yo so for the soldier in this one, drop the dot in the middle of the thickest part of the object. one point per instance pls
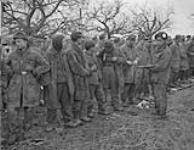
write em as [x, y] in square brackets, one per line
[121, 60]
[47, 43]
[129, 69]
[110, 58]
[24, 68]
[80, 74]
[6, 49]
[142, 80]
[160, 73]
[175, 62]
[95, 39]
[95, 79]
[59, 90]
[101, 41]
[184, 64]
[190, 52]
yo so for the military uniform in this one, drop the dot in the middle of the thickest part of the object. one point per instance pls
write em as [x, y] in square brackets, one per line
[121, 60]
[190, 52]
[95, 83]
[58, 92]
[142, 80]
[184, 64]
[80, 73]
[95, 79]
[110, 80]
[175, 63]
[160, 75]
[24, 69]
[129, 71]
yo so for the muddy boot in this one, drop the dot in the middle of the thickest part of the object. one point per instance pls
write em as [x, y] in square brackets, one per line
[84, 111]
[130, 102]
[27, 127]
[51, 126]
[86, 119]
[117, 108]
[91, 114]
[91, 111]
[69, 124]
[77, 122]
[155, 113]
[11, 140]
[102, 110]
[125, 104]
[163, 117]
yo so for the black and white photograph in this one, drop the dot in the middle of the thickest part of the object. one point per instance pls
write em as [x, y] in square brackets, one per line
[97, 74]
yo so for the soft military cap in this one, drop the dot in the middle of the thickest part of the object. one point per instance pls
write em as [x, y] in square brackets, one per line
[20, 35]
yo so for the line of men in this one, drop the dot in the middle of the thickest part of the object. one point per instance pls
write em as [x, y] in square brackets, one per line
[76, 72]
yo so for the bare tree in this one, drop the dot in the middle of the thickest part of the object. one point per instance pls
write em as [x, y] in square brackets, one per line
[74, 18]
[149, 21]
[34, 16]
[107, 17]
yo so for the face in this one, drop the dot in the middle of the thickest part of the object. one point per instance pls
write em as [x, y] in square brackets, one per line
[80, 42]
[64, 43]
[131, 42]
[160, 42]
[6, 50]
[21, 44]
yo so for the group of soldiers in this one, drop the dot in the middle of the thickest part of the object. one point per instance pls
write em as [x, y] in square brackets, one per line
[74, 74]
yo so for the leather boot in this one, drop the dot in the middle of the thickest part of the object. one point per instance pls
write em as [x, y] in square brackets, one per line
[102, 110]
[86, 119]
[77, 122]
[90, 111]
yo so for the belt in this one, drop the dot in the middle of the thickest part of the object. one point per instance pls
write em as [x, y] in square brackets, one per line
[23, 72]
[110, 65]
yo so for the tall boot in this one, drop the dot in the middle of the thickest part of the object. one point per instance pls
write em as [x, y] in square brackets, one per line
[102, 110]
[102, 104]
[91, 110]
[77, 122]
[116, 103]
[84, 112]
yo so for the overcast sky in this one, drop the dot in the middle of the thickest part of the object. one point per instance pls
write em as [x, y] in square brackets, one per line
[183, 24]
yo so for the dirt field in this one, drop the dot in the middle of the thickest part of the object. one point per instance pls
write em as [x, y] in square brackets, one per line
[124, 131]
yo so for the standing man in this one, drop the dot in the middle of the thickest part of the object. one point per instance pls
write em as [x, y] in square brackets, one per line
[58, 92]
[101, 41]
[95, 79]
[184, 65]
[80, 74]
[129, 50]
[121, 60]
[175, 61]
[190, 52]
[160, 73]
[24, 68]
[142, 82]
[109, 59]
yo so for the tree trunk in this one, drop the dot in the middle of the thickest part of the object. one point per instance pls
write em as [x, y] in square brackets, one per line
[1, 17]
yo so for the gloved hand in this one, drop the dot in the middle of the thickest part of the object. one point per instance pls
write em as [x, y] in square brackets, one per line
[135, 62]
[129, 62]
[114, 59]
[94, 68]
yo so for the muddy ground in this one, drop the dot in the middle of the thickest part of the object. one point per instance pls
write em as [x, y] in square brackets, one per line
[124, 131]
